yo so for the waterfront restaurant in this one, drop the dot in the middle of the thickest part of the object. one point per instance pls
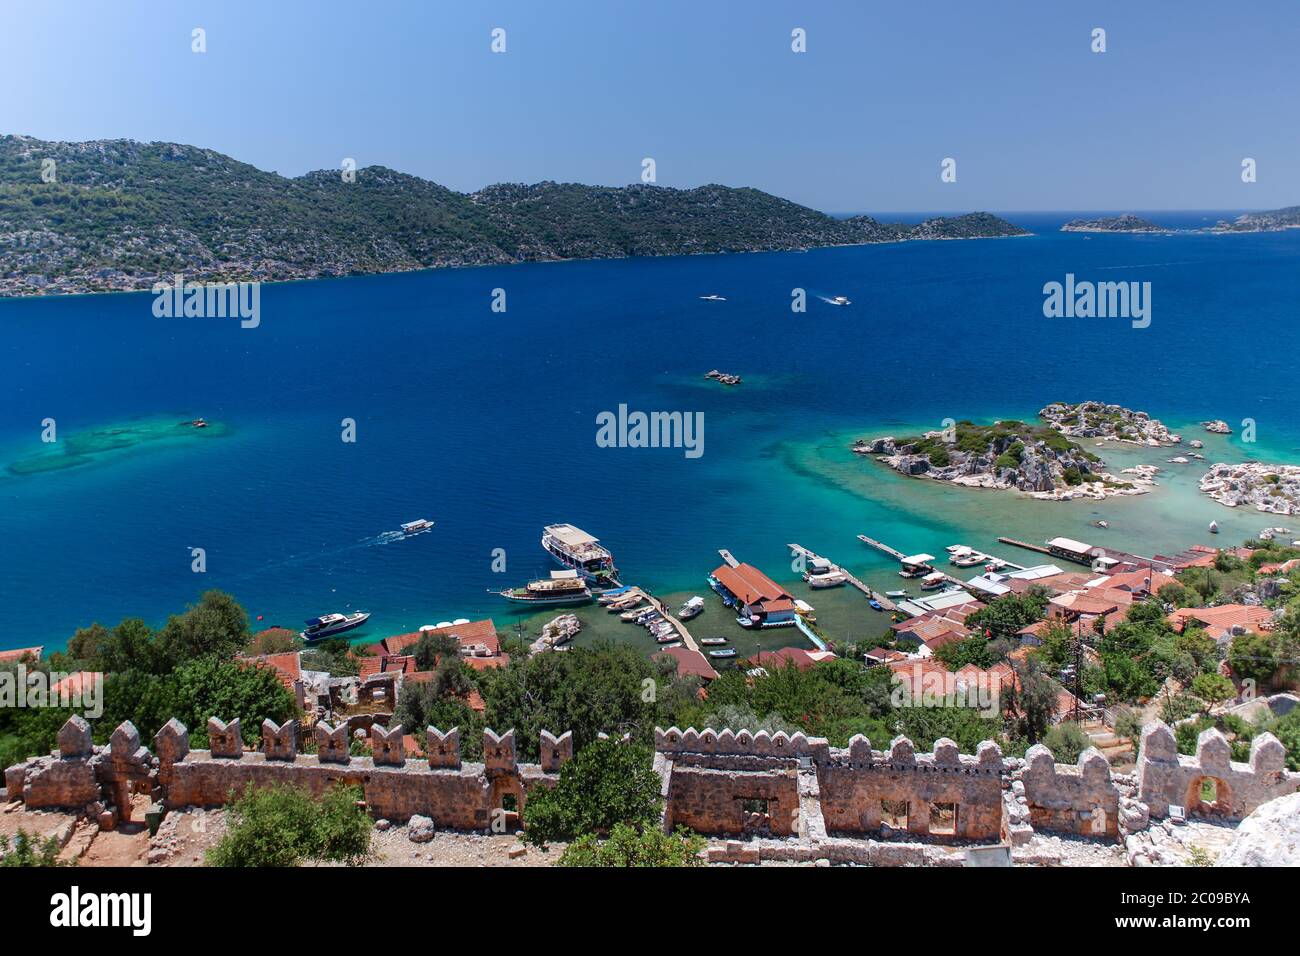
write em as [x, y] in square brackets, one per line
[758, 598]
[1071, 550]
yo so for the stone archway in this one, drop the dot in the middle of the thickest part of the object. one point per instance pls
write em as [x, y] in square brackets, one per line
[1209, 796]
[507, 802]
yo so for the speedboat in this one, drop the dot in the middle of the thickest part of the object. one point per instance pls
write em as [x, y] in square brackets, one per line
[327, 625]
[841, 300]
[725, 652]
[896, 594]
[713, 298]
[1214, 527]
[416, 526]
[692, 608]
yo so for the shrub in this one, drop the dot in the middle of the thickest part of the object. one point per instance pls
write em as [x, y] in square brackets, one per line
[628, 846]
[606, 784]
[1066, 741]
[30, 851]
[285, 826]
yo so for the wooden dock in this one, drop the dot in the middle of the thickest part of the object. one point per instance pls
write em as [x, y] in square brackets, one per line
[1024, 544]
[662, 607]
[727, 558]
[881, 546]
[884, 602]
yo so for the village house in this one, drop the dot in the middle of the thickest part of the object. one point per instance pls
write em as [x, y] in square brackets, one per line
[758, 598]
[22, 654]
[1225, 622]
[689, 663]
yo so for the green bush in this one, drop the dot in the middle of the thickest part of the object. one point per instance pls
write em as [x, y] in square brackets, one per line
[606, 784]
[628, 846]
[1066, 741]
[286, 826]
[30, 851]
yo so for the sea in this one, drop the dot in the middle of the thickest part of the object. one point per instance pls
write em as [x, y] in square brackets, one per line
[473, 395]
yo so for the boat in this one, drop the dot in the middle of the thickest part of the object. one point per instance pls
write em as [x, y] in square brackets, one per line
[954, 548]
[713, 298]
[198, 423]
[725, 652]
[727, 599]
[828, 579]
[1214, 527]
[632, 615]
[935, 579]
[1101, 524]
[896, 594]
[841, 300]
[327, 625]
[967, 560]
[613, 595]
[416, 526]
[875, 605]
[575, 549]
[712, 641]
[562, 587]
[692, 608]
[669, 638]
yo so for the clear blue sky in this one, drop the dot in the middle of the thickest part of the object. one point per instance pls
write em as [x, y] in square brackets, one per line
[709, 88]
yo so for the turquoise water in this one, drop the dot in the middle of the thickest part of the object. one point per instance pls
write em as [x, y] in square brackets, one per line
[485, 422]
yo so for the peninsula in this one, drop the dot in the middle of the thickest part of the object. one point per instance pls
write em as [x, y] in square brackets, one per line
[120, 214]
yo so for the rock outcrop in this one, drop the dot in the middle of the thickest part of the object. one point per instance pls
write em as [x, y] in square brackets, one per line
[1268, 837]
[1108, 423]
[1273, 489]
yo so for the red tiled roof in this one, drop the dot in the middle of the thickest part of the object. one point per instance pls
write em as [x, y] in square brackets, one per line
[287, 666]
[689, 662]
[75, 684]
[17, 654]
[475, 632]
[1222, 618]
[749, 584]
[801, 658]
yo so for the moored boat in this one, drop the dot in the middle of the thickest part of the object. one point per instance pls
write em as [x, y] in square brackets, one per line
[713, 641]
[328, 625]
[562, 587]
[828, 579]
[725, 652]
[579, 551]
[692, 608]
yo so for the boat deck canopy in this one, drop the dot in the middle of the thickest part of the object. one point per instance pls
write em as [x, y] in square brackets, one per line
[918, 559]
[570, 536]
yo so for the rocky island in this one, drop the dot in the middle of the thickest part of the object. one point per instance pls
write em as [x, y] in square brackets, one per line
[726, 378]
[1036, 459]
[1125, 223]
[1108, 423]
[1274, 489]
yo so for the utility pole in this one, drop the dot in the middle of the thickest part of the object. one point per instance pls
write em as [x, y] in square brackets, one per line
[1078, 668]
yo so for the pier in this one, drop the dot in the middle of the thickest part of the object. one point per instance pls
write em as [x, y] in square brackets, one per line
[1026, 545]
[727, 558]
[884, 602]
[662, 608]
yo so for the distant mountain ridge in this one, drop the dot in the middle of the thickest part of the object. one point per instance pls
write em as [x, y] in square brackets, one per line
[121, 214]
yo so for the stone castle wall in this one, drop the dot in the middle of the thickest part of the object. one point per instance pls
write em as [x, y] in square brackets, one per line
[716, 783]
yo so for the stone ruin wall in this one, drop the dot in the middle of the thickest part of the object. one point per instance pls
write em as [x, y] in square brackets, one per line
[812, 788]
[717, 783]
[453, 794]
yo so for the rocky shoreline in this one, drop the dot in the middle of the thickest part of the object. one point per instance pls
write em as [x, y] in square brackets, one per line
[1273, 489]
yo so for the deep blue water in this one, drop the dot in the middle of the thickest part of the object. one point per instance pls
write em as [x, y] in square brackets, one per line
[485, 422]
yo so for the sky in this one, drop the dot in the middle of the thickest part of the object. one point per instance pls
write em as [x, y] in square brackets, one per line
[710, 89]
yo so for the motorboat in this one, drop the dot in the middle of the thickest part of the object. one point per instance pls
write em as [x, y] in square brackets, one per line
[725, 652]
[875, 605]
[935, 579]
[714, 298]
[562, 587]
[713, 641]
[575, 549]
[828, 579]
[328, 625]
[692, 608]
[668, 638]
[841, 300]
[896, 594]
[416, 526]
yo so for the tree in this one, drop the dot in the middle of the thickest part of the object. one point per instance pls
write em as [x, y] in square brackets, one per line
[217, 625]
[285, 826]
[1214, 688]
[628, 846]
[1066, 741]
[1034, 699]
[433, 646]
[607, 783]
[1254, 657]
[1006, 615]
[1129, 726]
[976, 650]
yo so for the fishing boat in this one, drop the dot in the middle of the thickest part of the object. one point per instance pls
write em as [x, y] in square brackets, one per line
[713, 641]
[579, 551]
[935, 579]
[562, 587]
[673, 644]
[875, 605]
[668, 638]
[327, 625]
[967, 560]
[896, 594]
[692, 608]
[416, 526]
[725, 652]
[632, 615]
[828, 579]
